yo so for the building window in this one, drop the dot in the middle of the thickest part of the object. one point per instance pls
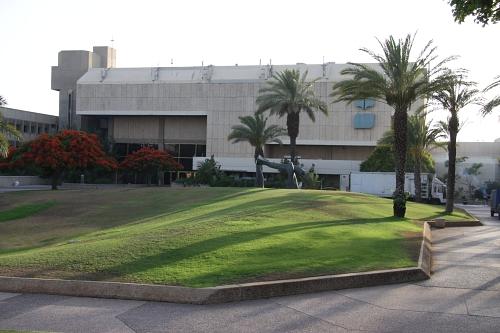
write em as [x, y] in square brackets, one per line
[201, 151]
[33, 128]
[25, 128]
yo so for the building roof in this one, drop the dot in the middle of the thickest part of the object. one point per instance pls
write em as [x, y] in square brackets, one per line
[27, 115]
[327, 71]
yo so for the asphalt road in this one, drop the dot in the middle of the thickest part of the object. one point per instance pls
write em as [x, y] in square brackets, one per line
[462, 296]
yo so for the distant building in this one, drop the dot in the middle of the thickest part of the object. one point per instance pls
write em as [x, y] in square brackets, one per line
[189, 111]
[487, 153]
[30, 124]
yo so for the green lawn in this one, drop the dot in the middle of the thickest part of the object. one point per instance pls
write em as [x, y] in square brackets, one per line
[206, 236]
[23, 211]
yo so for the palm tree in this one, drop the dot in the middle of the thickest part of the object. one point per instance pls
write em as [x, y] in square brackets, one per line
[488, 107]
[398, 82]
[6, 131]
[254, 131]
[288, 94]
[457, 94]
[422, 138]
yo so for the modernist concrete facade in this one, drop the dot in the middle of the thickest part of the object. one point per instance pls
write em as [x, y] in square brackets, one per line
[193, 108]
[30, 124]
[71, 65]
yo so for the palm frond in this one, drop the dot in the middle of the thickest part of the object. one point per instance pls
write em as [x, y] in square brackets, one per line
[254, 130]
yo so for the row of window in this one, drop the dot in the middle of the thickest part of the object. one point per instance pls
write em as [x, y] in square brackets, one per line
[29, 127]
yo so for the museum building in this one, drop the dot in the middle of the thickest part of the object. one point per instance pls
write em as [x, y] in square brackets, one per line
[189, 111]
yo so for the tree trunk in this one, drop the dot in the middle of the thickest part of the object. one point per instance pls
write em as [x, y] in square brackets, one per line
[259, 175]
[292, 124]
[400, 147]
[55, 178]
[418, 179]
[452, 161]
[55, 182]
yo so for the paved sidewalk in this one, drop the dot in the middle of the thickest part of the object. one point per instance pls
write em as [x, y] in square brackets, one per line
[462, 296]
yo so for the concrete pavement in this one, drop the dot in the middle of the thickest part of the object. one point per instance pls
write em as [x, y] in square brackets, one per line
[462, 296]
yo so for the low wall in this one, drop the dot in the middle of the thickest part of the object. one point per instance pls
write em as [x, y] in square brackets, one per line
[7, 181]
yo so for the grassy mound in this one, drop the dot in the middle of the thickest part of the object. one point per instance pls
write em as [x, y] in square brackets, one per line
[207, 236]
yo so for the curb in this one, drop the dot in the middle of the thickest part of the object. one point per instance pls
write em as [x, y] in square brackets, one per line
[226, 293]
[464, 223]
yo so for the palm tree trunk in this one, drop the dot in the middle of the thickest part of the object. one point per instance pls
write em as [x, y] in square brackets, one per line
[452, 161]
[418, 179]
[259, 175]
[292, 124]
[400, 147]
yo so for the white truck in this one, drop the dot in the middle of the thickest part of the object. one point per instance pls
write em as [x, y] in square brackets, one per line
[383, 184]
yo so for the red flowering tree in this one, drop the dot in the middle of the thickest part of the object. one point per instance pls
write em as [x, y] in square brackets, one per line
[54, 155]
[150, 161]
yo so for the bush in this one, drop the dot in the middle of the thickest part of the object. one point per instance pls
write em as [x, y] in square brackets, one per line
[208, 172]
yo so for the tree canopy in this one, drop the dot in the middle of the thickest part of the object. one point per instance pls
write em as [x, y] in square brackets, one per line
[400, 80]
[6, 131]
[483, 11]
[288, 94]
[148, 160]
[53, 155]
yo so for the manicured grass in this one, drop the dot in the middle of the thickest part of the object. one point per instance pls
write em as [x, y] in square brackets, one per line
[22, 211]
[209, 236]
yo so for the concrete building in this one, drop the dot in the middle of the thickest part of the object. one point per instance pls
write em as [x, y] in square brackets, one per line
[486, 153]
[71, 65]
[30, 124]
[190, 110]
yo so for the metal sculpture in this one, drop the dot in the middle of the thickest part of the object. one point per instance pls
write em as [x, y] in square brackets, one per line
[290, 169]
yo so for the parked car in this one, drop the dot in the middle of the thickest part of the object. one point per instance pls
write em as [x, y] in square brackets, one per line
[495, 202]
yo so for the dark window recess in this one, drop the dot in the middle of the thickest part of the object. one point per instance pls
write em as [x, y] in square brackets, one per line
[201, 150]
[173, 149]
[133, 147]
[187, 150]
[39, 130]
[70, 106]
[103, 123]
[33, 129]
[46, 130]
[120, 149]
[187, 163]
[25, 128]
[18, 127]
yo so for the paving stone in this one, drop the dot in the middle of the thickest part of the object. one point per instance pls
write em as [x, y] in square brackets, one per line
[251, 316]
[412, 297]
[4, 296]
[484, 303]
[71, 314]
[362, 316]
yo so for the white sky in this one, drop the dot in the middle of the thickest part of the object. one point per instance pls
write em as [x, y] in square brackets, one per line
[151, 33]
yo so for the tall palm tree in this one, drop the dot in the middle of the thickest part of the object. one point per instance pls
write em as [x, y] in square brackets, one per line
[493, 103]
[6, 131]
[253, 130]
[422, 138]
[457, 94]
[399, 82]
[288, 94]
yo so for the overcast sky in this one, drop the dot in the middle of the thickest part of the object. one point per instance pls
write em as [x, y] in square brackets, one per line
[153, 33]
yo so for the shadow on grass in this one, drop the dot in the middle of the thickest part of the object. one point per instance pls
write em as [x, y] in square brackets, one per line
[173, 256]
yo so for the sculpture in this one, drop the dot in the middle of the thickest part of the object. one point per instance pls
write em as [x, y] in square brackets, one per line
[292, 170]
